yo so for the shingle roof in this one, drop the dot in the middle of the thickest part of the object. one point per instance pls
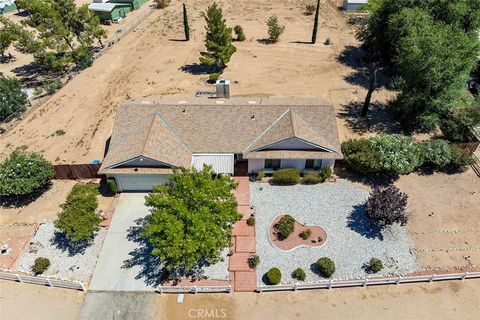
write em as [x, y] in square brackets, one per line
[171, 129]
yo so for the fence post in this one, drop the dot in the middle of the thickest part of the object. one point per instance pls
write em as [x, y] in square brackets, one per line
[259, 289]
[365, 282]
[19, 279]
[195, 289]
[398, 280]
[464, 276]
[330, 284]
[82, 286]
[49, 283]
[294, 287]
[432, 278]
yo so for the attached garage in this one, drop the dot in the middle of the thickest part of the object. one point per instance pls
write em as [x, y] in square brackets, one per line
[138, 182]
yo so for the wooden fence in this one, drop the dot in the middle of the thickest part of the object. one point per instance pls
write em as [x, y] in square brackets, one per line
[194, 289]
[328, 284]
[76, 171]
[470, 147]
[44, 281]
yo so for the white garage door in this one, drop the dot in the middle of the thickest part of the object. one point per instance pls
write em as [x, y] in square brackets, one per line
[139, 182]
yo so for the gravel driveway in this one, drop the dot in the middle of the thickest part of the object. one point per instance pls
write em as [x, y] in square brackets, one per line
[352, 238]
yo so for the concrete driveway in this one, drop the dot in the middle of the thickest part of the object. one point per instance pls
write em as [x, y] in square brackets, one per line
[115, 270]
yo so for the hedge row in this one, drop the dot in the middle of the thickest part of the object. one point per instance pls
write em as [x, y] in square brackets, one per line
[401, 154]
[291, 176]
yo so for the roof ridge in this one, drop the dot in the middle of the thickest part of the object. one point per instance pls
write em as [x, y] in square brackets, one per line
[266, 130]
[148, 134]
[173, 131]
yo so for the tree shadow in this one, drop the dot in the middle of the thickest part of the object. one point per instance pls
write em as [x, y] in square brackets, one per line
[301, 42]
[178, 40]
[372, 180]
[63, 243]
[32, 74]
[359, 222]
[199, 69]
[379, 118]
[22, 201]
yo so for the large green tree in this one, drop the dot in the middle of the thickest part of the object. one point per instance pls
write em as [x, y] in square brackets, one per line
[66, 32]
[218, 40]
[15, 34]
[192, 217]
[12, 97]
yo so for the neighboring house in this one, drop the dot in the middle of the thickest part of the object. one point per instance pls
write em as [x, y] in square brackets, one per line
[234, 136]
[7, 6]
[110, 11]
[353, 5]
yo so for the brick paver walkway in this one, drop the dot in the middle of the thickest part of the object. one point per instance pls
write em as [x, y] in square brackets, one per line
[244, 245]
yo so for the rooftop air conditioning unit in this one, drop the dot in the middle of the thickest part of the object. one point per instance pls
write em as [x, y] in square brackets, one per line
[223, 89]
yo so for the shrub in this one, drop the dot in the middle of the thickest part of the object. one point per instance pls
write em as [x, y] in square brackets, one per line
[460, 158]
[162, 4]
[112, 186]
[59, 132]
[12, 97]
[213, 77]
[240, 35]
[275, 30]
[41, 265]
[253, 261]
[23, 173]
[251, 221]
[260, 175]
[51, 86]
[78, 220]
[285, 227]
[311, 178]
[387, 205]
[436, 153]
[375, 265]
[325, 173]
[326, 266]
[286, 177]
[299, 274]
[309, 9]
[305, 234]
[327, 42]
[274, 276]
[360, 156]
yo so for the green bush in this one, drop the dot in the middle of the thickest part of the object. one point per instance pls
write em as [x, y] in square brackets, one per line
[275, 30]
[311, 178]
[305, 234]
[251, 221]
[12, 97]
[360, 156]
[325, 173]
[59, 132]
[253, 261]
[51, 86]
[213, 77]
[299, 274]
[41, 265]
[260, 175]
[460, 159]
[78, 220]
[274, 276]
[436, 153]
[112, 186]
[326, 266]
[286, 177]
[376, 265]
[23, 173]
[240, 35]
[285, 227]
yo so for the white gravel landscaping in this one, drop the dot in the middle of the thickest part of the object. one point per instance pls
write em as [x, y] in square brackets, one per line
[352, 238]
[65, 262]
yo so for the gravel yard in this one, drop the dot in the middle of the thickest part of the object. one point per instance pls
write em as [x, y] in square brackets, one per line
[352, 238]
[65, 261]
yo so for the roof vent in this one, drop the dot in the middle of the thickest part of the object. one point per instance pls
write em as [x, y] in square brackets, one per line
[252, 117]
[184, 111]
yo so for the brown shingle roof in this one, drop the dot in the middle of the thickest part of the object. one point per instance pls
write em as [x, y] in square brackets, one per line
[171, 129]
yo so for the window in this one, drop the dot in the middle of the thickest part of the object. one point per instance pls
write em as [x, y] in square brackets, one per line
[272, 164]
[313, 164]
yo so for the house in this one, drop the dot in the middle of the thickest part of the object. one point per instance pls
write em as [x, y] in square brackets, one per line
[110, 11]
[7, 6]
[235, 136]
[134, 4]
[353, 5]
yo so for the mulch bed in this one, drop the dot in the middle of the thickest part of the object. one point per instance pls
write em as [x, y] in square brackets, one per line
[294, 239]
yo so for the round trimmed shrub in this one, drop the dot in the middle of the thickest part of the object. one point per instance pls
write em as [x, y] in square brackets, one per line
[251, 221]
[286, 177]
[299, 274]
[23, 173]
[41, 265]
[325, 173]
[305, 234]
[326, 266]
[311, 178]
[285, 226]
[274, 276]
[260, 175]
[212, 78]
[240, 35]
[112, 186]
[253, 261]
[376, 265]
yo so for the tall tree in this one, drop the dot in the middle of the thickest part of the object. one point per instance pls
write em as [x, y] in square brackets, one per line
[371, 88]
[315, 23]
[191, 219]
[15, 34]
[12, 97]
[186, 27]
[218, 40]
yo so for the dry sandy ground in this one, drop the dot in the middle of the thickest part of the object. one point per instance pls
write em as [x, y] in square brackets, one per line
[445, 300]
[147, 62]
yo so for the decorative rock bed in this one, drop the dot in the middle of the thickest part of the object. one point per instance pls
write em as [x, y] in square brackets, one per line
[294, 240]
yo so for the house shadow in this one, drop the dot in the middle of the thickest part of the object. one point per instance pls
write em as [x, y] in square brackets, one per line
[379, 118]
[359, 222]
[63, 243]
[22, 201]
